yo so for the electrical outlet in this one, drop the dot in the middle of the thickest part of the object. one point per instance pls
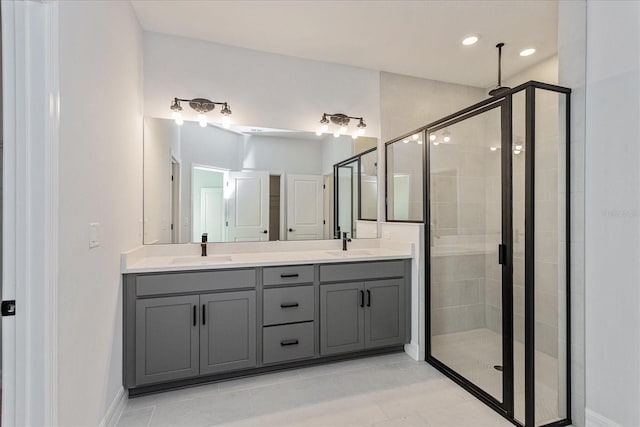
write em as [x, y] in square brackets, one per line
[95, 233]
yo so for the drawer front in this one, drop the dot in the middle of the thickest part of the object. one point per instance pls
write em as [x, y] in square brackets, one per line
[288, 305]
[287, 342]
[197, 281]
[284, 275]
[361, 271]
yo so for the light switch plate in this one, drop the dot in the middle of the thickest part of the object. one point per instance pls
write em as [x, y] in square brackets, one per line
[94, 234]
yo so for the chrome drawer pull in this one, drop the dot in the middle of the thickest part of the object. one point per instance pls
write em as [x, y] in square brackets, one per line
[288, 342]
[286, 276]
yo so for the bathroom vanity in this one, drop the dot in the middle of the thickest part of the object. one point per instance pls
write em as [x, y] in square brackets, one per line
[196, 319]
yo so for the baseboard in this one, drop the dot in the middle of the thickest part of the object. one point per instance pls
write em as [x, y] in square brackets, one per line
[412, 350]
[593, 419]
[115, 409]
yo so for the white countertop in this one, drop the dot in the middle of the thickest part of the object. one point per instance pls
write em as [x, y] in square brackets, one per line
[149, 259]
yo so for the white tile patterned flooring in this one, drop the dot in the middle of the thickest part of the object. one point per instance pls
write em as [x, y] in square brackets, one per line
[390, 390]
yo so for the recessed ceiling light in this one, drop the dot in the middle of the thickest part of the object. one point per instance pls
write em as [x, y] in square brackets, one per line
[527, 52]
[470, 39]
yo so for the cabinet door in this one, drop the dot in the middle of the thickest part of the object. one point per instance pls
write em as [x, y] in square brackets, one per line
[166, 339]
[341, 317]
[228, 331]
[384, 314]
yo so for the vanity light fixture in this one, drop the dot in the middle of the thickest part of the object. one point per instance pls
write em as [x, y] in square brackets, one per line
[341, 120]
[202, 106]
[527, 52]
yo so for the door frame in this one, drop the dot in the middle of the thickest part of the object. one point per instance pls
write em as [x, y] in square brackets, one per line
[225, 178]
[506, 407]
[31, 117]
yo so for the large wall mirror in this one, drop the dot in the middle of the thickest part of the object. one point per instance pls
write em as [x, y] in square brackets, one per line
[404, 179]
[243, 184]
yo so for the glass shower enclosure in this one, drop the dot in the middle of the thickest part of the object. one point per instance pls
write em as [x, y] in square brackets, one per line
[496, 212]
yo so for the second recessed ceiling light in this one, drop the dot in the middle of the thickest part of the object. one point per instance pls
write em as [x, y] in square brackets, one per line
[470, 39]
[527, 52]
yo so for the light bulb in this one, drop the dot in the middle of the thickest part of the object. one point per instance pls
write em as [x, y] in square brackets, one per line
[405, 141]
[494, 148]
[420, 141]
[436, 143]
[354, 135]
[432, 137]
[319, 132]
[518, 147]
[324, 128]
[343, 129]
[202, 119]
[226, 121]
[415, 136]
[336, 134]
[527, 52]
[178, 118]
[361, 131]
[516, 152]
[446, 138]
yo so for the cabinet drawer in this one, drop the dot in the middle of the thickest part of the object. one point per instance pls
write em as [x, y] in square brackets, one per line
[287, 342]
[288, 305]
[197, 281]
[285, 275]
[361, 271]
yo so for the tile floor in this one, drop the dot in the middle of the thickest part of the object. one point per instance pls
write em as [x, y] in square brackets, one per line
[474, 353]
[391, 390]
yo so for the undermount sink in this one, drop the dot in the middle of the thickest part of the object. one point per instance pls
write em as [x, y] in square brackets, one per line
[349, 253]
[213, 259]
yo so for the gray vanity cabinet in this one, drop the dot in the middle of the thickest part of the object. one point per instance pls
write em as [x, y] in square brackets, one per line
[187, 327]
[166, 343]
[367, 309]
[342, 317]
[228, 332]
[384, 313]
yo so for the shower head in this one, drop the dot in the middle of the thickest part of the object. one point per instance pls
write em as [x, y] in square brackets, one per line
[499, 89]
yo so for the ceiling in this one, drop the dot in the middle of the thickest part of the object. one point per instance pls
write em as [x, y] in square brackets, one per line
[416, 38]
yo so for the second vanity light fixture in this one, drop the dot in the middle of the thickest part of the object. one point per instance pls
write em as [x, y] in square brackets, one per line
[341, 120]
[202, 106]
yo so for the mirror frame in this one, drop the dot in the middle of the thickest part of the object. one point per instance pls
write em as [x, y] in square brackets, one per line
[357, 158]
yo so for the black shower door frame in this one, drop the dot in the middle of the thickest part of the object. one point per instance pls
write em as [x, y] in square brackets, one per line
[505, 101]
[504, 105]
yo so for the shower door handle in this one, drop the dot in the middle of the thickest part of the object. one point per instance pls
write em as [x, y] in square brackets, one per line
[502, 254]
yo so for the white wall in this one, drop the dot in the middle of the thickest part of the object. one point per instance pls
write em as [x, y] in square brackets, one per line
[571, 73]
[612, 198]
[100, 181]
[263, 89]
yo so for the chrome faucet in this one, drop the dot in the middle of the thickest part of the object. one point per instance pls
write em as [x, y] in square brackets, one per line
[203, 245]
[345, 239]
